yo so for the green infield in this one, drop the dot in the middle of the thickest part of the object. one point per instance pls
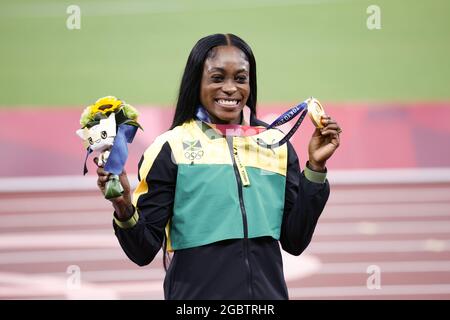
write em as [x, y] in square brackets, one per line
[137, 49]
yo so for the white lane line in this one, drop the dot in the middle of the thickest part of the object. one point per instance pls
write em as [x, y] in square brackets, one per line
[67, 255]
[297, 267]
[84, 218]
[117, 275]
[388, 176]
[54, 183]
[316, 248]
[55, 204]
[300, 269]
[145, 296]
[336, 178]
[22, 285]
[336, 212]
[294, 269]
[87, 232]
[385, 267]
[340, 247]
[134, 287]
[58, 203]
[58, 240]
[405, 290]
[53, 287]
[391, 195]
[104, 217]
[375, 228]
[378, 210]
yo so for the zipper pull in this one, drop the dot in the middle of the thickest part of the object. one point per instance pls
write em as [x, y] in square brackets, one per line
[241, 168]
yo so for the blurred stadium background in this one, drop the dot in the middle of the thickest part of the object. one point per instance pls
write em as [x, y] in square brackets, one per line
[388, 217]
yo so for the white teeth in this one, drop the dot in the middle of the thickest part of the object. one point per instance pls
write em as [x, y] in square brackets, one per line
[228, 102]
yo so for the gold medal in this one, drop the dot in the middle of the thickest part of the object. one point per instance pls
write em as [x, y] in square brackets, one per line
[315, 112]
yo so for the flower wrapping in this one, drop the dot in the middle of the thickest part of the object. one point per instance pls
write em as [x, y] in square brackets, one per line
[107, 127]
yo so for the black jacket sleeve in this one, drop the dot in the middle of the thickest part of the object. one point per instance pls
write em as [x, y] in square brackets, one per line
[304, 202]
[142, 242]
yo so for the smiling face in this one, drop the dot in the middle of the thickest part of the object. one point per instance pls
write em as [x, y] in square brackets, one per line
[101, 136]
[225, 85]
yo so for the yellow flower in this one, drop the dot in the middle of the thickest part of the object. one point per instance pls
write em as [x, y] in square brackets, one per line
[105, 105]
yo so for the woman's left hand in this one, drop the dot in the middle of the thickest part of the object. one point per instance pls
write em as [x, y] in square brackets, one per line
[323, 143]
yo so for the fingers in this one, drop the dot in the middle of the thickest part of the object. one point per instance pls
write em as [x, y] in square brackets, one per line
[331, 127]
[102, 173]
[324, 119]
[327, 120]
[100, 170]
[331, 130]
[333, 133]
[103, 176]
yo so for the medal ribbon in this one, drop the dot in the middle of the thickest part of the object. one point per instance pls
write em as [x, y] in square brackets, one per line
[301, 109]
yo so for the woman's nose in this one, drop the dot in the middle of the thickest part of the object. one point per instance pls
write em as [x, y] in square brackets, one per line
[229, 87]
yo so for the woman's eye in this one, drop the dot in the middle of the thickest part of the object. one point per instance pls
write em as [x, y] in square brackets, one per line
[241, 79]
[104, 134]
[217, 78]
[91, 142]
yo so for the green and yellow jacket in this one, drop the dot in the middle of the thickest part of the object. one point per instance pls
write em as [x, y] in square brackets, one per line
[225, 204]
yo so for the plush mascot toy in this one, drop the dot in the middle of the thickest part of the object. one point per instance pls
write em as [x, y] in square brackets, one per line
[106, 127]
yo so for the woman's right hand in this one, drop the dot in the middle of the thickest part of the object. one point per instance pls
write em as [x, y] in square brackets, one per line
[122, 205]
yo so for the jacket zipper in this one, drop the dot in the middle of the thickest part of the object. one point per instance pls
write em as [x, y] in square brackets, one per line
[244, 214]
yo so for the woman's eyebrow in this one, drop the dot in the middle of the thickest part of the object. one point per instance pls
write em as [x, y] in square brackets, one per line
[214, 69]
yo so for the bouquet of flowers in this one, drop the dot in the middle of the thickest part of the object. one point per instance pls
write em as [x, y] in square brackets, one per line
[106, 127]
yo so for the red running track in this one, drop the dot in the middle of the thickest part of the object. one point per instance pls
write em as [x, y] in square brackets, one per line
[394, 239]
[402, 231]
